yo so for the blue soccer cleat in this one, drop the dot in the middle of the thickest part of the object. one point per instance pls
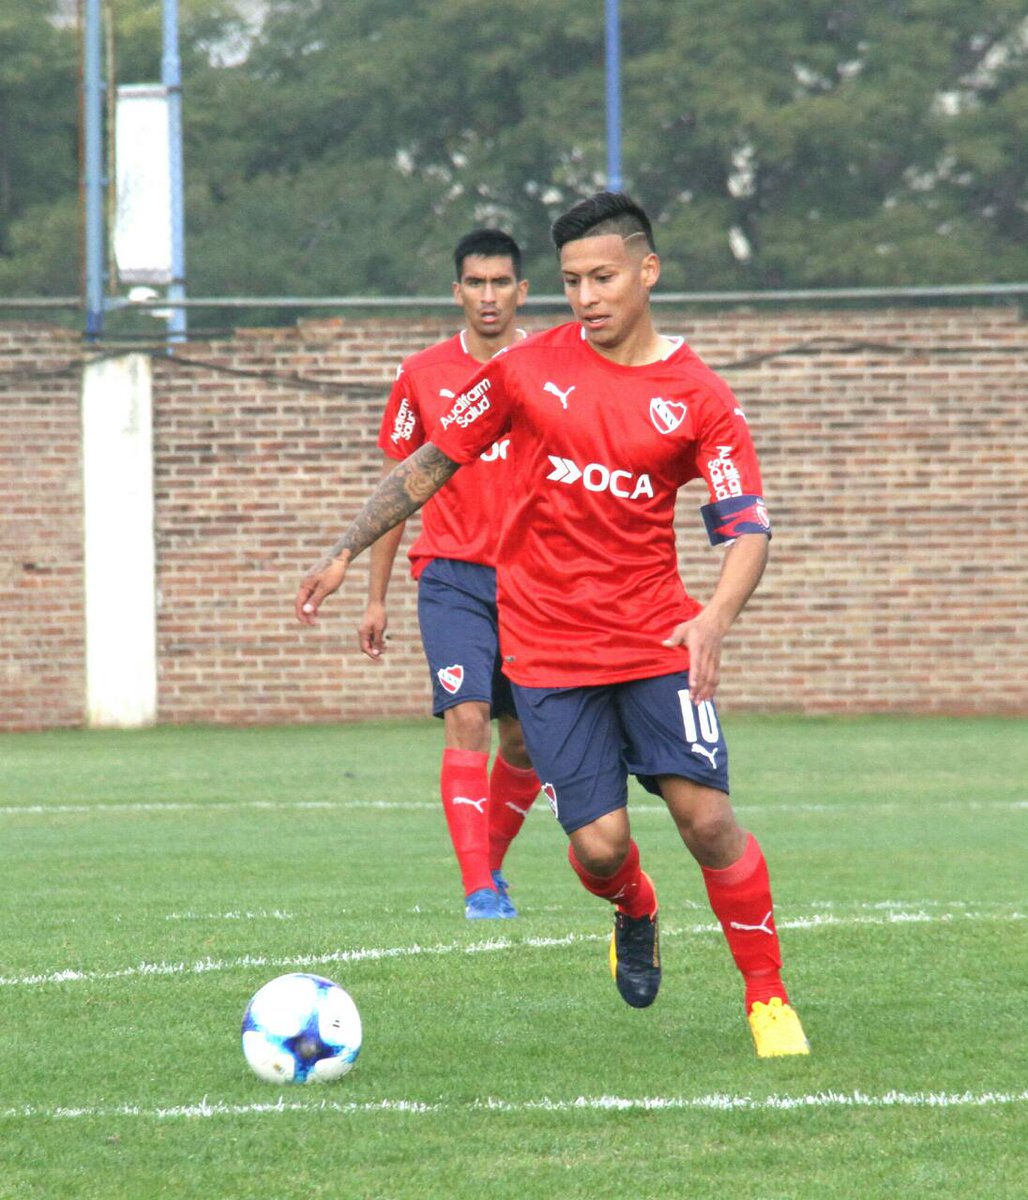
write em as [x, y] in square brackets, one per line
[483, 905]
[507, 909]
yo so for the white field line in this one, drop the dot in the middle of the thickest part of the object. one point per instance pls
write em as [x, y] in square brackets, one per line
[636, 807]
[207, 966]
[716, 1102]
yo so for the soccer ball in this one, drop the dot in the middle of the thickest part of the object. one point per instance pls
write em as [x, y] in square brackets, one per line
[301, 1028]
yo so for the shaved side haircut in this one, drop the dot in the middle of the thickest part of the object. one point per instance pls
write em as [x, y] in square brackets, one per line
[600, 215]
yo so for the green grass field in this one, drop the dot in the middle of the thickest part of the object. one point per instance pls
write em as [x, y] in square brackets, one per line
[152, 881]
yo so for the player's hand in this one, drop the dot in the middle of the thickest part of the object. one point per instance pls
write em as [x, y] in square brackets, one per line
[372, 632]
[702, 637]
[320, 581]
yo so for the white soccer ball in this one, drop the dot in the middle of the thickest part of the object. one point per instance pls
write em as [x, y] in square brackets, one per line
[301, 1028]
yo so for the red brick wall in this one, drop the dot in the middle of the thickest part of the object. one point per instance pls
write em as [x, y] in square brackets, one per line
[42, 659]
[892, 442]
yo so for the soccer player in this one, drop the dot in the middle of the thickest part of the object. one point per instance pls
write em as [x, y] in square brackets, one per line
[614, 665]
[454, 562]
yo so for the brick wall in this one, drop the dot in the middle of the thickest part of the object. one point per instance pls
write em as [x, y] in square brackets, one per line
[42, 664]
[892, 444]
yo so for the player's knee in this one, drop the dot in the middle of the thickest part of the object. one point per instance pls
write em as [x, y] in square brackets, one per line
[599, 856]
[512, 746]
[468, 726]
[709, 834]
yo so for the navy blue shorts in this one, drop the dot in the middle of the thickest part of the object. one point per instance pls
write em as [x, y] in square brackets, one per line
[584, 742]
[459, 632]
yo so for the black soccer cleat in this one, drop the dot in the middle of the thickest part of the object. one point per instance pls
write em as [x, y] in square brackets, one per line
[635, 958]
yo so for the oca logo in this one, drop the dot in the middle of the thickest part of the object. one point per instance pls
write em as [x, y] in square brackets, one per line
[595, 477]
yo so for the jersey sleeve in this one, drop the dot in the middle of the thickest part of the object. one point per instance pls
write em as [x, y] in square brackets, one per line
[727, 460]
[402, 430]
[479, 416]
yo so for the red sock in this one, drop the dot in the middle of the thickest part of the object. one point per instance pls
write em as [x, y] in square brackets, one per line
[629, 888]
[465, 788]
[740, 896]
[512, 791]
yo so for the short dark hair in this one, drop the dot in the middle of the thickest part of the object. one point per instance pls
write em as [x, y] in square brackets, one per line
[486, 243]
[606, 212]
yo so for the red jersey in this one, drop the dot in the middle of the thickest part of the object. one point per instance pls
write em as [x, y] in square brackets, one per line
[588, 581]
[461, 521]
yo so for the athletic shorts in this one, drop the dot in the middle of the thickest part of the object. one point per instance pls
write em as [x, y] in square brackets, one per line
[459, 631]
[585, 741]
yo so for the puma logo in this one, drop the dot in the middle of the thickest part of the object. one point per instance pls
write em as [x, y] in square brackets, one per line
[555, 391]
[477, 805]
[761, 928]
[696, 748]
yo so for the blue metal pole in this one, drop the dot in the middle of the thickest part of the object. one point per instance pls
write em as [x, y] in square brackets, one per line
[171, 77]
[613, 43]
[93, 182]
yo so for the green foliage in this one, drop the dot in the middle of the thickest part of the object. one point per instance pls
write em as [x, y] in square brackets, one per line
[341, 148]
[153, 880]
[43, 258]
[38, 139]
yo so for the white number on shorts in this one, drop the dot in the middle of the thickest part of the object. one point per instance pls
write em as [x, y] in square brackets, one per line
[706, 714]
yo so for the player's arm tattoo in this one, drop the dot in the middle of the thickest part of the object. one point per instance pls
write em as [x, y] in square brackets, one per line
[402, 492]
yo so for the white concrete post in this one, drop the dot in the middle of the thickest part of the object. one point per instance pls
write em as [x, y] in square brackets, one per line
[120, 582]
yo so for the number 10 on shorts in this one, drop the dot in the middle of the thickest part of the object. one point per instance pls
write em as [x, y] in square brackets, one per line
[700, 720]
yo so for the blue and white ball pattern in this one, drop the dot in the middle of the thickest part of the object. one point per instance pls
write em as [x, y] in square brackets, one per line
[301, 1028]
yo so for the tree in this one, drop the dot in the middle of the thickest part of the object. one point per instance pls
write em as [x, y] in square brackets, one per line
[776, 142]
[38, 140]
[828, 137]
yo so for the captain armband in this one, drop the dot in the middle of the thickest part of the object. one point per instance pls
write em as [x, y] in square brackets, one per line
[730, 518]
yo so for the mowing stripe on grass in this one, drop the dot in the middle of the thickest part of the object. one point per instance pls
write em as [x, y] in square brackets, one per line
[262, 914]
[207, 965]
[717, 1102]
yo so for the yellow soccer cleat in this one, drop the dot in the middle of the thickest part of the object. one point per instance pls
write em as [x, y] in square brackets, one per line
[777, 1030]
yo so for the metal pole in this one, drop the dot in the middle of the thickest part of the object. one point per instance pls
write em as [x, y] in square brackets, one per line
[171, 78]
[613, 42]
[93, 183]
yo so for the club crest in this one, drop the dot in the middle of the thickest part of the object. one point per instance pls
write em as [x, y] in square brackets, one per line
[451, 677]
[666, 415]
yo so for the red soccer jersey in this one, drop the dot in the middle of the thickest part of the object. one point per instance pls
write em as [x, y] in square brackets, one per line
[463, 520]
[588, 570]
